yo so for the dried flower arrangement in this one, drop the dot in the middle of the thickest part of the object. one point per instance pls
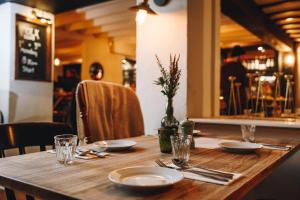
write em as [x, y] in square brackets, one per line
[169, 79]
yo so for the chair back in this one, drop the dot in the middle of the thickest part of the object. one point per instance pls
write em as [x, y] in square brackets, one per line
[1, 117]
[21, 135]
[107, 111]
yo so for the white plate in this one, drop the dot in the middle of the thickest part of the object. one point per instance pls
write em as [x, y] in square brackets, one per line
[145, 177]
[240, 147]
[195, 132]
[115, 145]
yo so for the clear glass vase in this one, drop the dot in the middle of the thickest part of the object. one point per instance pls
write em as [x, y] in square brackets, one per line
[169, 121]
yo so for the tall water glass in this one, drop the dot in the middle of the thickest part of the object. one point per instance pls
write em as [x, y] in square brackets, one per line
[248, 132]
[181, 147]
[65, 146]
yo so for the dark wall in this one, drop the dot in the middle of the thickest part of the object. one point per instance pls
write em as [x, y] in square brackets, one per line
[55, 6]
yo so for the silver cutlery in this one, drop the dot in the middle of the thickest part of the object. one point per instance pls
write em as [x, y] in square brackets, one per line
[280, 147]
[205, 174]
[185, 165]
[100, 154]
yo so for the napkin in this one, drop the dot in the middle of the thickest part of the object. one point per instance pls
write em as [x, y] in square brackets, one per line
[198, 177]
[282, 148]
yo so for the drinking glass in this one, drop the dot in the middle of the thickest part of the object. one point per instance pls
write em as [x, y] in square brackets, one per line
[248, 132]
[181, 147]
[65, 146]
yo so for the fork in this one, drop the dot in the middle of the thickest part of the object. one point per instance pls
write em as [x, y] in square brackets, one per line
[205, 174]
[186, 166]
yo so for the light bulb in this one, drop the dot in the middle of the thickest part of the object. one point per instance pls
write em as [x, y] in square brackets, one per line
[289, 60]
[141, 16]
[44, 21]
[56, 62]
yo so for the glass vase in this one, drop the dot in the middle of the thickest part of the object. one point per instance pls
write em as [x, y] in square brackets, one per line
[169, 121]
[165, 140]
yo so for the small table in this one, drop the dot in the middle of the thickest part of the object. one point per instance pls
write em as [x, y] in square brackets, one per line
[40, 175]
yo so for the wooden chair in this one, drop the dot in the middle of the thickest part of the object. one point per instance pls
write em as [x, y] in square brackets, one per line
[1, 117]
[107, 111]
[21, 135]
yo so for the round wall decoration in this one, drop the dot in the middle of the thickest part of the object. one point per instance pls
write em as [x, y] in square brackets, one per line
[161, 2]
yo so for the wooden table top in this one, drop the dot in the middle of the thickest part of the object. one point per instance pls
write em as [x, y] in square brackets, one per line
[40, 175]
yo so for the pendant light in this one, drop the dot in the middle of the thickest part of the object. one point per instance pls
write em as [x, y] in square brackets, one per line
[142, 10]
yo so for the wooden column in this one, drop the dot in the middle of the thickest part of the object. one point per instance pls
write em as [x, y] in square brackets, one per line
[297, 77]
[203, 60]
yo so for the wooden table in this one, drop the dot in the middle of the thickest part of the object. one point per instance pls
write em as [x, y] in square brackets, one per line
[39, 174]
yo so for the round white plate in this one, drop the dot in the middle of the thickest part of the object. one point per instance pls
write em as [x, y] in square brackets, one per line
[115, 145]
[195, 132]
[145, 177]
[240, 147]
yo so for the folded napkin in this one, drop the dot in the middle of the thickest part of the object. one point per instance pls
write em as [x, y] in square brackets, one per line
[199, 177]
[277, 147]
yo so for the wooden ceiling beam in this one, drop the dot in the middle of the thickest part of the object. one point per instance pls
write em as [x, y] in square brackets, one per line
[282, 7]
[249, 15]
[286, 14]
[283, 11]
[242, 37]
[109, 10]
[69, 43]
[125, 39]
[293, 31]
[62, 35]
[99, 5]
[67, 50]
[289, 20]
[121, 33]
[92, 31]
[77, 26]
[118, 26]
[291, 26]
[295, 35]
[67, 18]
[272, 3]
[125, 17]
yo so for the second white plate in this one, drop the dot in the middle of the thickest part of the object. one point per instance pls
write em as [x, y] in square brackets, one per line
[115, 145]
[240, 147]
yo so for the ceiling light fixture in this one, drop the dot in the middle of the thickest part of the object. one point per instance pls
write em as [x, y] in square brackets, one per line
[43, 20]
[142, 10]
[261, 49]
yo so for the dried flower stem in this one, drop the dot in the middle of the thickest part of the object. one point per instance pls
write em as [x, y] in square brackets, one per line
[169, 79]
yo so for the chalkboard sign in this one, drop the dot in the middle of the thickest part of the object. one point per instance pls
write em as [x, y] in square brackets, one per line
[33, 49]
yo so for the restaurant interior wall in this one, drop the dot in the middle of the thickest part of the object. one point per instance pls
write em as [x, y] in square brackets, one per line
[97, 49]
[20, 100]
[162, 34]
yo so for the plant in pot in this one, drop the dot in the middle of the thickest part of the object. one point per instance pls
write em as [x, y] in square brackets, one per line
[169, 82]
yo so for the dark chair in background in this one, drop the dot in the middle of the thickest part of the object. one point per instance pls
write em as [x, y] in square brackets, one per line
[1, 118]
[21, 135]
